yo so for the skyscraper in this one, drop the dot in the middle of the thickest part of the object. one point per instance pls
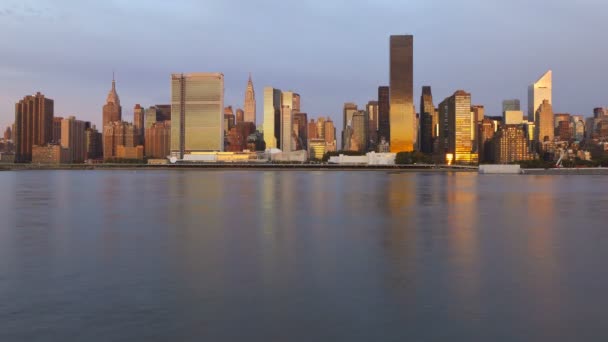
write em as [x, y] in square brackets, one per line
[384, 125]
[73, 139]
[300, 129]
[428, 120]
[138, 121]
[33, 125]
[359, 131]
[511, 145]
[402, 93]
[112, 111]
[240, 116]
[455, 112]
[538, 92]
[545, 127]
[150, 117]
[250, 102]
[197, 113]
[158, 140]
[291, 99]
[117, 135]
[329, 133]
[272, 117]
[287, 136]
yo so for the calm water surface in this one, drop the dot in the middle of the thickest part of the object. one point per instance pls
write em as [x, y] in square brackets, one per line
[301, 256]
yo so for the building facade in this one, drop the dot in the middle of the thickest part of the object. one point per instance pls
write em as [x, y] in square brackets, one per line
[139, 114]
[545, 126]
[197, 113]
[511, 145]
[402, 93]
[541, 90]
[73, 139]
[33, 125]
[117, 134]
[250, 102]
[272, 117]
[384, 122]
[158, 140]
[112, 111]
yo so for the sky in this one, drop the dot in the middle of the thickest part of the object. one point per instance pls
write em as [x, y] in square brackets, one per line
[329, 51]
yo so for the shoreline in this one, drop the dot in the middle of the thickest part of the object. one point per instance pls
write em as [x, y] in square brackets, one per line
[230, 166]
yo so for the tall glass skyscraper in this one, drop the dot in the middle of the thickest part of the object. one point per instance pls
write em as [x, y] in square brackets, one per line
[428, 120]
[197, 113]
[384, 123]
[402, 116]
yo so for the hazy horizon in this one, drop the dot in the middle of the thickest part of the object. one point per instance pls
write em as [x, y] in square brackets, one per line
[337, 51]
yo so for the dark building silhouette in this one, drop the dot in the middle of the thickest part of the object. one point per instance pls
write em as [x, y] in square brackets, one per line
[57, 130]
[428, 120]
[384, 123]
[300, 124]
[485, 135]
[33, 125]
[139, 115]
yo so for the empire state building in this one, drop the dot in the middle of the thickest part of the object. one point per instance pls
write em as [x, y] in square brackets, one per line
[112, 111]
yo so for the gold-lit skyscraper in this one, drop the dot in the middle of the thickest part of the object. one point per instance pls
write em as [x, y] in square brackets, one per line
[456, 135]
[545, 126]
[402, 116]
[197, 113]
[538, 92]
[272, 117]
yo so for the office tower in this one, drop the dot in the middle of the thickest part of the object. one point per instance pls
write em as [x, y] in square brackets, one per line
[197, 117]
[511, 105]
[455, 135]
[384, 126]
[240, 116]
[538, 92]
[300, 121]
[73, 139]
[545, 127]
[428, 120]
[116, 134]
[56, 130]
[138, 121]
[513, 117]
[33, 125]
[313, 132]
[272, 117]
[93, 143]
[112, 111]
[250, 102]
[402, 93]
[372, 124]
[8, 134]
[347, 116]
[359, 132]
[511, 145]
[150, 117]
[485, 135]
[329, 133]
[287, 138]
[158, 140]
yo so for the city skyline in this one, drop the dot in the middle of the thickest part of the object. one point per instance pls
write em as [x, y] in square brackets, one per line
[76, 86]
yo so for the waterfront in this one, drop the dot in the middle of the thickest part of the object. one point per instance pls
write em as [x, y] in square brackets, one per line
[269, 255]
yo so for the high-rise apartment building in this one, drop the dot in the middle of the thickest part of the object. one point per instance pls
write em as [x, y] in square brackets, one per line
[56, 130]
[329, 133]
[139, 114]
[272, 117]
[197, 113]
[158, 140]
[313, 132]
[73, 139]
[93, 143]
[250, 102]
[150, 117]
[538, 92]
[484, 142]
[545, 126]
[402, 93]
[384, 123]
[112, 111]
[33, 125]
[428, 120]
[511, 145]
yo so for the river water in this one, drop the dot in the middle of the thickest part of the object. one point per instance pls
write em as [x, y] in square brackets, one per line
[302, 256]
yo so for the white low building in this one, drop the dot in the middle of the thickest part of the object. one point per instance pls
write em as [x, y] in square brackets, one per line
[372, 158]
